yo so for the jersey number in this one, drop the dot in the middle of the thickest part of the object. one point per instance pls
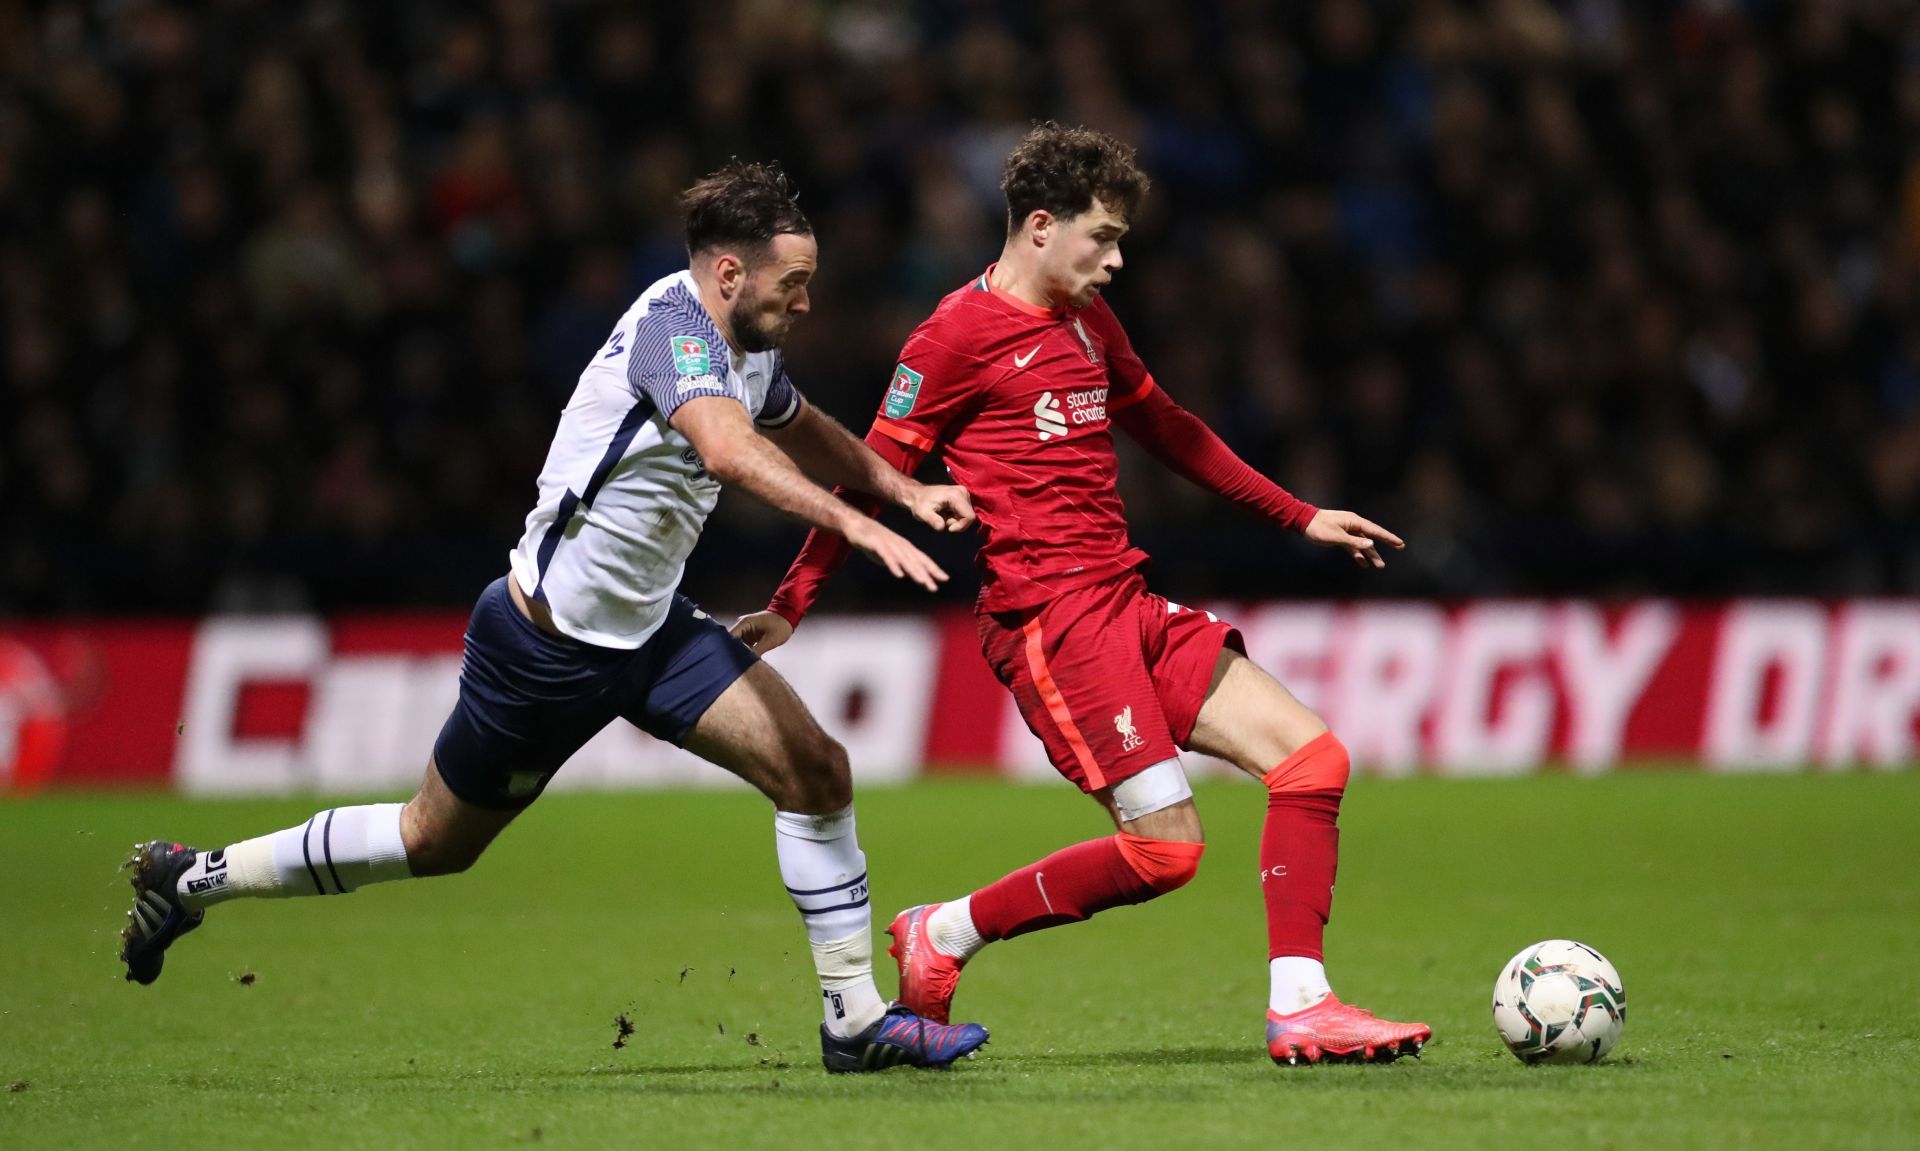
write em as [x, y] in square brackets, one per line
[615, 349]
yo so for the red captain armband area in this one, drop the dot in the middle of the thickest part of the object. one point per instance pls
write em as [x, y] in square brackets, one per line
[1145, 391]
[1321, 765]
[1163, 864]
[898, 433]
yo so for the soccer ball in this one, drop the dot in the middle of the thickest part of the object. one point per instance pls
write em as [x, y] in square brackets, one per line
[1559, 1002]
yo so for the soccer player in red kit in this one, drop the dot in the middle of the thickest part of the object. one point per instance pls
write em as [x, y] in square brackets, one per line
[1014, 379]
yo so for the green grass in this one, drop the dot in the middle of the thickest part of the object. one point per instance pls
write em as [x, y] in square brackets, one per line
[1768, 931]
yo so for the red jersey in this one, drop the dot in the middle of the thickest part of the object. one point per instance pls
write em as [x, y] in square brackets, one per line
[1018, 399]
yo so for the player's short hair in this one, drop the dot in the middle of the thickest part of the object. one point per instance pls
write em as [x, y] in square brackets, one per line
[741, 206]
[1062, 170]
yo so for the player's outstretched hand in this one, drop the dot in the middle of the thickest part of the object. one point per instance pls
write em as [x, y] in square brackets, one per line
[942, 507]
[898, 556]
[762, 631]
[1356, 535]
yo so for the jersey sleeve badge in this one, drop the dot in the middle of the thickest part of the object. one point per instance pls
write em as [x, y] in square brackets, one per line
[690, 356]
[903, 392]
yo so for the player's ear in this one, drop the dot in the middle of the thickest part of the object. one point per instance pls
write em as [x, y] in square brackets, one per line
[728, 272]
[1040, 222]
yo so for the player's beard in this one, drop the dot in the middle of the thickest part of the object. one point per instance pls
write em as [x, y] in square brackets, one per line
[754, 331]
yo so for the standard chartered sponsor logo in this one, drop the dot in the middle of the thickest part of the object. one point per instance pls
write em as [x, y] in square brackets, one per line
[1080, 410]
[1047, 417]
[1087, 407]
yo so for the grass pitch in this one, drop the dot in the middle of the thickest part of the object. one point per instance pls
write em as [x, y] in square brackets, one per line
[1767, 929]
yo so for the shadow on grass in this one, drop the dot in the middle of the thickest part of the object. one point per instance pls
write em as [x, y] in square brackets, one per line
[1037, 1061]
[1177, 1074]
[1143, 1060]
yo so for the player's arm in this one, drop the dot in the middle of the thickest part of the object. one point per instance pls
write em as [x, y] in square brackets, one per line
[720, 429]
[819, 558]
[1187, 446]
[829, 453]
[930, 388]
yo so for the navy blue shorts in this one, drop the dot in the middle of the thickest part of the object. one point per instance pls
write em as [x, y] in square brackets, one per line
[529, 700]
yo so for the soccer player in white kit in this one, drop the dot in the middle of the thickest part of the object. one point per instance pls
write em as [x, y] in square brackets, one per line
[690, 391]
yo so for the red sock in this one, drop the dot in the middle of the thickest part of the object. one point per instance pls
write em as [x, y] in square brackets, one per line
[1300, 846]
[1076, 882]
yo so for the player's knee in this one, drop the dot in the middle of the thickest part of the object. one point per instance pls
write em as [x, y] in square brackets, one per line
[1164, 864]
[437, 857]
[431, 851]
[822, 777]
[439, 861]
[1321, 765]
[1293, 730]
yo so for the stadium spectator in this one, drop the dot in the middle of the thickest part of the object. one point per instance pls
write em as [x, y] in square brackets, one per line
[1584, 297]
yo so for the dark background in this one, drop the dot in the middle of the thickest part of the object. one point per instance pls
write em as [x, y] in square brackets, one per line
[1590, 297]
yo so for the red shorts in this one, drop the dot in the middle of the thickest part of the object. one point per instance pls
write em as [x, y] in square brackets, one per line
[1110, 677]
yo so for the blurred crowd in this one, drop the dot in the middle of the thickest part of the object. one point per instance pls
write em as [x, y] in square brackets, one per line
[1582, 297]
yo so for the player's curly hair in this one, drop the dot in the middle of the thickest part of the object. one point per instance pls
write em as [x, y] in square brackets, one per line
[1062, 170]
[741, 206]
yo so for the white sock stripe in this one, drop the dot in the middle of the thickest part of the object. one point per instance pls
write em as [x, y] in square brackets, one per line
[839, 897]
[306, 851]
[863, 901]
[798, 894]
[326, 846]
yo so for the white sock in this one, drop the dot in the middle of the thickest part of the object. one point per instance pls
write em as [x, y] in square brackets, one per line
[1296, 983]
[826, 874]
[337, 851]
[848, 996]
[951, 931]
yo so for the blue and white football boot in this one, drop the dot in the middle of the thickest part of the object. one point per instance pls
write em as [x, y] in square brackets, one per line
[900, 1038]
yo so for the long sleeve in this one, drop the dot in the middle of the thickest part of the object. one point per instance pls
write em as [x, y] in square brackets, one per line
[1186, 445]
[825, 551]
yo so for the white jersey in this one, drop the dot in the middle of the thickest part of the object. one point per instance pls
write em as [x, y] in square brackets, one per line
[623, 496]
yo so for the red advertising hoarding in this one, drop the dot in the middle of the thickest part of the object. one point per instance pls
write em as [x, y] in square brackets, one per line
[232, 705]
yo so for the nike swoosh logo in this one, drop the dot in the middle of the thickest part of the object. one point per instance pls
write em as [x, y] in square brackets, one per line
[1023, 361]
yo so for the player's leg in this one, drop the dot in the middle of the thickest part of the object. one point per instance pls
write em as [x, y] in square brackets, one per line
[760, 731]
[714, 697]
[1083, 688]
[1147, 857]
[503, 740]
[1251, 720]
[334, 852]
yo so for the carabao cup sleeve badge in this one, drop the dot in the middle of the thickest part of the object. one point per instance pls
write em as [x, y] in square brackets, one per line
[904, 390]
[690, 357]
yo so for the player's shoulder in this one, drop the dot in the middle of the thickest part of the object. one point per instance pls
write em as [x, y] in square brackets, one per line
[669, 323]
[960, 324]
[670, 306]
[957, 308]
